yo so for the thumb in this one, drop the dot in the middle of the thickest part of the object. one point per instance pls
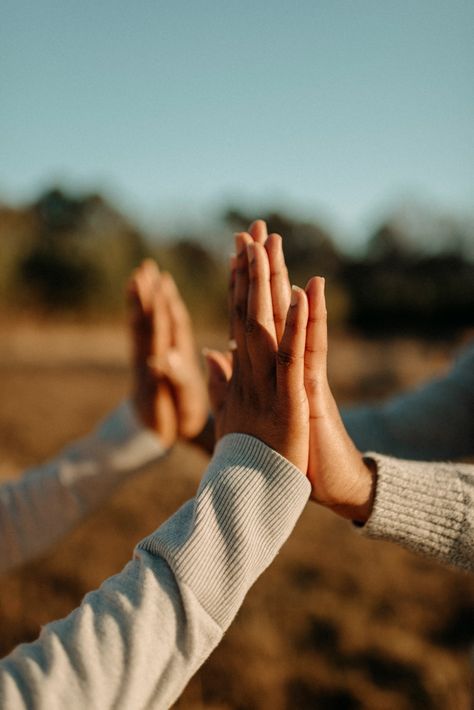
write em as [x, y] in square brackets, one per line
[220, 372]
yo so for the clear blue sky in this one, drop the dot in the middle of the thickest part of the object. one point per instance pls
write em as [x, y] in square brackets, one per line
[335, 107]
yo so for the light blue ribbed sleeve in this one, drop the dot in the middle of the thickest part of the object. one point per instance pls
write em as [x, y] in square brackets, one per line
[432, 423]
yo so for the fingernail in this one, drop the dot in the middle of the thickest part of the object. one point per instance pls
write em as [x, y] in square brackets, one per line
[251, 251]
[232, 345]
[233, 261]
[205, 352]
[294, 295]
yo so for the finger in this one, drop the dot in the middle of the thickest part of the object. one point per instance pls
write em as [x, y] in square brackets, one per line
[258, 231]
[241, 288]
[279, 282]
[139, 293]
[230, 296]
[160, 316]
[290, 360]
[316, 339]
[220, 372]
[260, 327]
[181, 333]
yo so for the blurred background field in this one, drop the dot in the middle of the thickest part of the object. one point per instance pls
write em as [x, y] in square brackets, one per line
[337, 622]
[159, 129]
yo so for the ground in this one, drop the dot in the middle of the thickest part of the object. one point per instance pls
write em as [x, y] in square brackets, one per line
[338, 622]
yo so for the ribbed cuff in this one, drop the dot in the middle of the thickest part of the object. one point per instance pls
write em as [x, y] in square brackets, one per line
[418, 505]
[247, 504]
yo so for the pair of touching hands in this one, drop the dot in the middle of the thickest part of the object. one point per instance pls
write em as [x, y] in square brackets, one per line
[273, 385]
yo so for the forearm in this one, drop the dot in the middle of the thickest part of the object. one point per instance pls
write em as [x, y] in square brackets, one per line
[43, 505]
[426, 507]
[430, 424]
[433, 423]
[137, 640]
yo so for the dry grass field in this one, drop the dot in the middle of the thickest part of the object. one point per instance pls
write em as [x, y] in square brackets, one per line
[337, 623]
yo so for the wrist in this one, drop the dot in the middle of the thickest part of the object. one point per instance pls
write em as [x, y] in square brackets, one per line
[206, 438]
[360, 500]
[368, 483]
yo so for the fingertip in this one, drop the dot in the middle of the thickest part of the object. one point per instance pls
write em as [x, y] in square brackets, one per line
[258, 231]
[315, 291]
[241, 240]
[315, 283]
[150, 264]
[167, 283]
[299, 307]
[274, 242]
[298, 296]
[251, 252]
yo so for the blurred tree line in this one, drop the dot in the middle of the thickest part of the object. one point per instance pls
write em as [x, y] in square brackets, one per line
[72, 254]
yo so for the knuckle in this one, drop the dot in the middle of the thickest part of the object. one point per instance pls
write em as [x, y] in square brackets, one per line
[285, 359]
[320, 350]
[321, 318]
[254, 276]
[279, 318]
[314, 383]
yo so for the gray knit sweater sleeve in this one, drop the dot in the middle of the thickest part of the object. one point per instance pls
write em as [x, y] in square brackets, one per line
[425, 507]
[136, 641]
[433, 423]
[49, 500]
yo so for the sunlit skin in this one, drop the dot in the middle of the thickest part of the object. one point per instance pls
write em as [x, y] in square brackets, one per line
[169, 391]
[169, 387]
[263, 393]
[340, 478]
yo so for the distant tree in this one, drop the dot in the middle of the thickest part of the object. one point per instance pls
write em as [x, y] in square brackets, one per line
[201, 277]
[80, 254]
[398, 287]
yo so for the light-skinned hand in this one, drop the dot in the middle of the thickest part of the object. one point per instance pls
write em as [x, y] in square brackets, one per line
[150, 330]
[170, 394]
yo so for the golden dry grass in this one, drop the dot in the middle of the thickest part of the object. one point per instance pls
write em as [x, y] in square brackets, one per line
[337, 622]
